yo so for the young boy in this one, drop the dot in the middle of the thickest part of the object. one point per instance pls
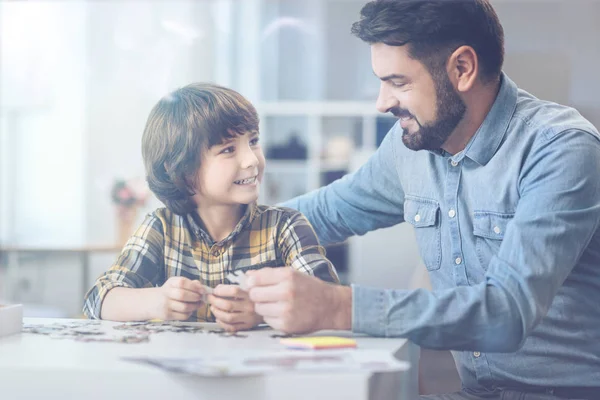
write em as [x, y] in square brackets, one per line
[203, 160]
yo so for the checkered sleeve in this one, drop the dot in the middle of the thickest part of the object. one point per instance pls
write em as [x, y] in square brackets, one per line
[140, 265]
[300, 248]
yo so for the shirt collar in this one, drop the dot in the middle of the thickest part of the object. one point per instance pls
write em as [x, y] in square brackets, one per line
[194, 222]
[486, 141]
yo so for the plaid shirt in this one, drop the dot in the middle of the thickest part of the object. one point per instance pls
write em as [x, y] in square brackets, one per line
[167, 245]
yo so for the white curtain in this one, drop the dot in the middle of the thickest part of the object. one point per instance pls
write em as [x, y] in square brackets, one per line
[42, 108]
[77, 80]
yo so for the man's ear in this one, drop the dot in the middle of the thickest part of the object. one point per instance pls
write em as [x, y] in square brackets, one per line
[463, 68]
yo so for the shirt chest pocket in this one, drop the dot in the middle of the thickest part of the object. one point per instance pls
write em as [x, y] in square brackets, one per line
[422, 214]
[489, 229]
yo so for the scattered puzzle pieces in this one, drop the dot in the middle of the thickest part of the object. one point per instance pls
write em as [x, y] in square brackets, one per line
[281, 336]
[157, 327]
[82, 331]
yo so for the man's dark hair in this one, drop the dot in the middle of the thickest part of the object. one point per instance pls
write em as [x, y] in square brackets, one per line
[434, 29]
[180, 126]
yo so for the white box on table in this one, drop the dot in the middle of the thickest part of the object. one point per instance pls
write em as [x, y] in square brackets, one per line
[11, 319]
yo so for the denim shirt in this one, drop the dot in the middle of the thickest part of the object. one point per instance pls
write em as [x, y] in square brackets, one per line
[509, 231]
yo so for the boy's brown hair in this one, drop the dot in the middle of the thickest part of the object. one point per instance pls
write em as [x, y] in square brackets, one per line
[182, 125]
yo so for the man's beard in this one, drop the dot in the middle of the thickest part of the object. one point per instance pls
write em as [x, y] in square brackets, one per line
[450, 111]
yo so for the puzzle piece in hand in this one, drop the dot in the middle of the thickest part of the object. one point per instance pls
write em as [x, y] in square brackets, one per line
[207, 290]
[238, 277]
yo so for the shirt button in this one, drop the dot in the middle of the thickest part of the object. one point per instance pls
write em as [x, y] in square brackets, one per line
[476, 354]
[452, 213]
[496, 230]
[417, 218]
[216, 253]
[454, 163]
[458, 260]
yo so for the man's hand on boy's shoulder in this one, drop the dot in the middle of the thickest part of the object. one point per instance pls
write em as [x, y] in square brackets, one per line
[178, 298]
[233, 309]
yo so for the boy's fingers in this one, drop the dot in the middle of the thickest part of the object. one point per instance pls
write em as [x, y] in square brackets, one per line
[177, 281]
[267, 276]
[222, 304]
[228, 317]
[194, 286]
[229, 291]
[184, 295]
[181, 282]
[229, 327]
[181, 307]
[177, 316]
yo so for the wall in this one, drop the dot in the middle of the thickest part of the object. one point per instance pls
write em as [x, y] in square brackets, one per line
[134, 52]
[552, 50]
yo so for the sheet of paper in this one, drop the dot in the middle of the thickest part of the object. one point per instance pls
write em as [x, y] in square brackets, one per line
[258, 363]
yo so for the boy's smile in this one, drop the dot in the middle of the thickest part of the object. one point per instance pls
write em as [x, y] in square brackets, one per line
[230, 173]
[252, 181]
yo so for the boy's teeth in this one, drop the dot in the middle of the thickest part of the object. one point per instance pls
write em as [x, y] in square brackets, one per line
[245, 181]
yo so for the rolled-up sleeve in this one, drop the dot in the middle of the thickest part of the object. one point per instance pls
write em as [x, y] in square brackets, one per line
[140, 265]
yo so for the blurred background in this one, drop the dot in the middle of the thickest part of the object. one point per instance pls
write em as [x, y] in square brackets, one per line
[78, 79]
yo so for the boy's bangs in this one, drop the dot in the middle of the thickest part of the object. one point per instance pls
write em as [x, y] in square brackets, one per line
[230, 122]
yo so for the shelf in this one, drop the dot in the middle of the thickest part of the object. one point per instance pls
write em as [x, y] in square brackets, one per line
[287, 166]
[327, 166]
[316, 99]
[302, 166]
[319, 108]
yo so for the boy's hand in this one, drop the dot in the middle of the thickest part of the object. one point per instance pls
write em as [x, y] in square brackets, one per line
[233, 309]
[179, 298]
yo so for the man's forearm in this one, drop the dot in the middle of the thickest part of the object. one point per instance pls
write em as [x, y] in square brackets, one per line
[127, 304]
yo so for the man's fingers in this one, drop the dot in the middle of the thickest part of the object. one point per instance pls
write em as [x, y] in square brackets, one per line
[271, 310]
[267, 276]
[269, 294]
[274, 323]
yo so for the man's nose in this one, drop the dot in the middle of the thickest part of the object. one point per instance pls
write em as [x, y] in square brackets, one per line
[385, 100]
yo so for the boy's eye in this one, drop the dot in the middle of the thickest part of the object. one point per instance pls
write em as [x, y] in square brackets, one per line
[226, 150]
[397, 84]
[254, 141]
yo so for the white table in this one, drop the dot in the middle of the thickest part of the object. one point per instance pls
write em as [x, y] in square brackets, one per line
[39, 367]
